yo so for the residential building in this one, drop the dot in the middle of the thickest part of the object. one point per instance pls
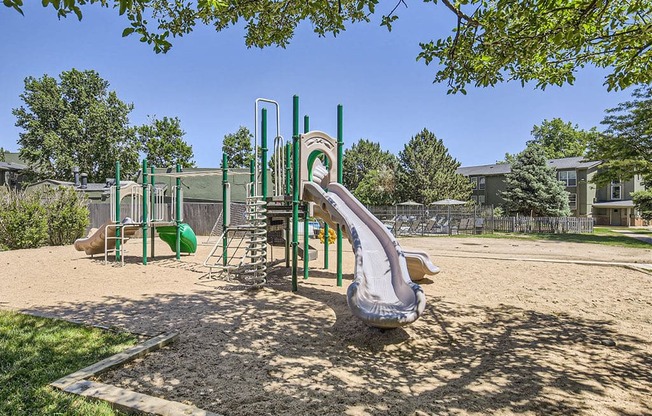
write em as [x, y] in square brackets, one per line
[11, 170]
[608, 205]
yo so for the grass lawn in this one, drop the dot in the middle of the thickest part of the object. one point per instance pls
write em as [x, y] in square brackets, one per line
[601, 235]
[37, 351]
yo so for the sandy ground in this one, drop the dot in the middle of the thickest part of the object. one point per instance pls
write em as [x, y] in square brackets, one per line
[498, 336]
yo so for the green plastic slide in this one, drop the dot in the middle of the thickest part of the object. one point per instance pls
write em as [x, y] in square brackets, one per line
[168, 234]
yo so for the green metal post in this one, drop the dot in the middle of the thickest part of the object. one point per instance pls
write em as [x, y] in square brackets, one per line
[340, 145]
[117, 209]
[326, 231]
[263, 154]
[295, 191]
[288, 168]
[178, 213]
[306, 228]
[225, 183]
[144, 212]
[288, 187]
[152, 181]
[252, 176]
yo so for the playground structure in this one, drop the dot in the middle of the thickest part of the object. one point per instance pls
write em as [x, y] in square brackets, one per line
[308, 174]
[307, 182]
[114, 233]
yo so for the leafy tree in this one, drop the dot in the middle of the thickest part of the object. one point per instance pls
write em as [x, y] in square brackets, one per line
[363, 157]
[378, 187]
[625, 148]
[237, 146]
[559, 139]
[428, 173]
[2, 154]
[163, 143]
[532, 188]
[491, 41]
[75, 122]
[643, 201]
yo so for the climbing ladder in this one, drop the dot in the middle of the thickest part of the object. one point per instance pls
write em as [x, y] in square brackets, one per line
[244, 246]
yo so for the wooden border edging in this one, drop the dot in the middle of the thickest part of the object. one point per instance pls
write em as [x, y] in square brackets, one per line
[131, 402]
[113, 361]
[123, 399]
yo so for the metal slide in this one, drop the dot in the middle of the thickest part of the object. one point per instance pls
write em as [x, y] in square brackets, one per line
[382, 293]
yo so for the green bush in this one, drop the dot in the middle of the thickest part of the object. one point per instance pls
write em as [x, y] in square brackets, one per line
[67, 214]
[23, 220]
[55, 216]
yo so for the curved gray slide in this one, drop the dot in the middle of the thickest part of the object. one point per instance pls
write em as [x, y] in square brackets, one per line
[382, 293]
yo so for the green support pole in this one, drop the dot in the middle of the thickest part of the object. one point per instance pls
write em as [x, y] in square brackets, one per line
[326, 231]
[252, 176]
[225, 183]
[263, 154]
[178, 213]
[340, 145]
[295, 191]
[288, 187]
[288, 168]
[152, 181]
[117, 209]
[144, 212]
[306, 228]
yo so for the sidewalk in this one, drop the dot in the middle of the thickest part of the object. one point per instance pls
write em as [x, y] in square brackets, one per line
[647, 238]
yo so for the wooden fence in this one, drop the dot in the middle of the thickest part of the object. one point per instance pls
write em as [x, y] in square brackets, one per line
[572, 225]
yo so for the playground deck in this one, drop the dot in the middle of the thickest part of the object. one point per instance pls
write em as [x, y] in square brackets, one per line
[498, 337]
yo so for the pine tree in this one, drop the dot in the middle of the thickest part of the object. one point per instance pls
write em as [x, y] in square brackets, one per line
[428, 173]
[532, 187]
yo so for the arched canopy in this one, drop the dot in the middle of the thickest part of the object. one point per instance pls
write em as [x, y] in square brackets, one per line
[312, 145]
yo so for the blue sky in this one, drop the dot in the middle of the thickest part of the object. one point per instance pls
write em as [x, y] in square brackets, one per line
[210, 81]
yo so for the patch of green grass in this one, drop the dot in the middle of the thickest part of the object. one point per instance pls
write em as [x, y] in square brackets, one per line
[610, 231]
[600, 235]
[607, 239]
[37, 351]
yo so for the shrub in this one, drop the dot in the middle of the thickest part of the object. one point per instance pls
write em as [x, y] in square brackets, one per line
[23, 220]
[67, 214]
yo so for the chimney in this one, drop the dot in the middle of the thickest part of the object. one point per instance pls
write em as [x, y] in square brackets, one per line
[84, 181]
[75, 172]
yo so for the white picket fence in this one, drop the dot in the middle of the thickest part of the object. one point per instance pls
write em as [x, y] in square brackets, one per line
[573, 225]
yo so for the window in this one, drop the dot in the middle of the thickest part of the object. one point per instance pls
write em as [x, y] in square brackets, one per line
[616, 190]
[481, 183]
[474, 198]
[568, 177]
[481, 199]
[474, 182]
[572, 201]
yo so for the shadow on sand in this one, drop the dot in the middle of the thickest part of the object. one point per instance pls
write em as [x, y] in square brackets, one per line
[274, 352]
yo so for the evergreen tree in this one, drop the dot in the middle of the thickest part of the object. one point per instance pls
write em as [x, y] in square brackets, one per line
[532, 187]
[428, 173]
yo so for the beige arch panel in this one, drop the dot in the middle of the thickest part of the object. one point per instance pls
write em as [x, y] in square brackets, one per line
[312, 143]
